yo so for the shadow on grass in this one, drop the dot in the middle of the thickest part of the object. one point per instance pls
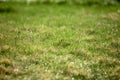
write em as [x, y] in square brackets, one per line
[6, 10]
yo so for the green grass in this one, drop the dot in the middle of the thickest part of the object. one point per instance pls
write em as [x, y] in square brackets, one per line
[59, 42]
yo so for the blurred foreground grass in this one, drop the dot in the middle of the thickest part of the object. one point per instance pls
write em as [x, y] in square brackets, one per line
[59, 42]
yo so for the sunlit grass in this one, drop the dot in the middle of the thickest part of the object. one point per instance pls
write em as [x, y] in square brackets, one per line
[59, 42]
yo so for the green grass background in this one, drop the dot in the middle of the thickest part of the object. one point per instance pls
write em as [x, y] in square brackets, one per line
[59, 42]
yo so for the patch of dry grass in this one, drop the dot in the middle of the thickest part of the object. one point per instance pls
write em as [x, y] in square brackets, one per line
[4, 48]
[112, 16]
[77, 72]
[8, 68]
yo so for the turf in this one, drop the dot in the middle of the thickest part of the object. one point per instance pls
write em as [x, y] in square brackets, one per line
[59, 42]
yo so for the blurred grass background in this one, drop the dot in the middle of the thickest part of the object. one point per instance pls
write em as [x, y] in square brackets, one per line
[89, 2]
[60, 40]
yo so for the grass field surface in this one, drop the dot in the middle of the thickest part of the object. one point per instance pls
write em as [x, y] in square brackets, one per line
[59, 42]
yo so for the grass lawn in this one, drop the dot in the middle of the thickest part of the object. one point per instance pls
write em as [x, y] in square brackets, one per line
[59, 42]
